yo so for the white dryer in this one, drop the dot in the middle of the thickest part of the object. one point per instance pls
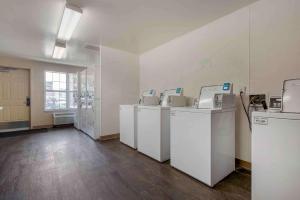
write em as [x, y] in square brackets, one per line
[128, 125]
[203, 143]
[128, 118]
[153, 125]
[276, 147]
[203, 138]
[275, 156]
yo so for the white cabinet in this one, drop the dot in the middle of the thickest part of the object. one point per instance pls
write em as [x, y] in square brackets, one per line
[128, 125]
[88, 114]
[275, 156]
[153, 132]
[203, 143]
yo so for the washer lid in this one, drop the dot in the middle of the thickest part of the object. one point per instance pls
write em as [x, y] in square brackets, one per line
[291, 96]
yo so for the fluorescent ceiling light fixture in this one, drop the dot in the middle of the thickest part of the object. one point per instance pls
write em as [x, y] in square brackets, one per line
[59, 50]
[69, 22]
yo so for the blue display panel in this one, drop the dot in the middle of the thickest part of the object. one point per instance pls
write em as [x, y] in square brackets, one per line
[178, 90]
[226, 86]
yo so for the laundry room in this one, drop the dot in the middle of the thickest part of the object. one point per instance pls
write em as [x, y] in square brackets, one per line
[136, 99]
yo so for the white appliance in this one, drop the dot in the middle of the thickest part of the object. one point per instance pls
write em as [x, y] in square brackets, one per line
[153, 126]
[128, 125]
[203, 140]
[275, 156]
[291, 96]
[128, 118]
[62, 118]
[153, 132]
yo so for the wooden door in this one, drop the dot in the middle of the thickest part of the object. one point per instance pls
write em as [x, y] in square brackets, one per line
[14, 91]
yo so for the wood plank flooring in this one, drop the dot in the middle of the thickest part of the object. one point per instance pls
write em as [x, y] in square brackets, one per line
[67, 164]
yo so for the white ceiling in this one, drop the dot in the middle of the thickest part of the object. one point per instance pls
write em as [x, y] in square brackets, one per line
[28, 28]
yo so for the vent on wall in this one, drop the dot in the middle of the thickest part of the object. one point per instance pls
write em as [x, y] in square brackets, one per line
[63, 118]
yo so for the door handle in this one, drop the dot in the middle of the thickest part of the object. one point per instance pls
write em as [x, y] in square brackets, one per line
[1, 108]
[28, 101]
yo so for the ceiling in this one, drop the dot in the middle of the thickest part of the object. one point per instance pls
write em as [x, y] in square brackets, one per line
[29, 27]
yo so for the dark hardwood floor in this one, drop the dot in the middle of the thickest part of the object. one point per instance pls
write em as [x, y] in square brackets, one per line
[67, 164]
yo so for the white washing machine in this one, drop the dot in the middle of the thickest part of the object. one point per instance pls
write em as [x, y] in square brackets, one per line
[128, 125]
[203, 143]
[275, 156]
[153, 132]
[128, 118]
[153, 125]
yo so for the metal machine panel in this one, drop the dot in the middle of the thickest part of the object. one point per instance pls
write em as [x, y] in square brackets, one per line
[291, 96]
[62, 118]
[176, 101]
[211, 97]
[275, 104]
[148, 98]
[150, 101]
[173, 98]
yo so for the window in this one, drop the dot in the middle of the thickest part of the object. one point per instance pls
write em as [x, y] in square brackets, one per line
[60, 91]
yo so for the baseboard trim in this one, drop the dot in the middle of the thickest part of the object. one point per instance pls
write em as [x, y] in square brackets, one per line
[242, 164]
[110, 137]
[42, 127]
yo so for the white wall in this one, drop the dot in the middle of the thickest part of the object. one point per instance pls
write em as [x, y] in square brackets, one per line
[275, 44]
[257, 46]
[119, 85]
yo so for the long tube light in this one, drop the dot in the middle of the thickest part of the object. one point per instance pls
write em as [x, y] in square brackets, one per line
[69, 22]
[59, 50]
